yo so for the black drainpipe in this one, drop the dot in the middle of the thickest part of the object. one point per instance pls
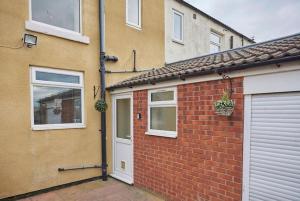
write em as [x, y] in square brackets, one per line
[102, 80]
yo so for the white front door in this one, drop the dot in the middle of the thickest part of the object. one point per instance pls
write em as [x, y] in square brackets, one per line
[122, 138]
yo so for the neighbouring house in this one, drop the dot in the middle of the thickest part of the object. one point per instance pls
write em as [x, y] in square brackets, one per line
[48, 119]
[189, 33]
[184, 150]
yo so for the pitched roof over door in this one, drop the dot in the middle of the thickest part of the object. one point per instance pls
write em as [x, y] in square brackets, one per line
[278, 50]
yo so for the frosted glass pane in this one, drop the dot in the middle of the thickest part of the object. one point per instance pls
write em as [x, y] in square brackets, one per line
[55, 77]
[177, 26]
[162, 96]
[123, 118]
[133, 11]
[60, 13]
[163, 118]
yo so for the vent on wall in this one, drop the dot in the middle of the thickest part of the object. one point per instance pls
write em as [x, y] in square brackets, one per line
[194, 16]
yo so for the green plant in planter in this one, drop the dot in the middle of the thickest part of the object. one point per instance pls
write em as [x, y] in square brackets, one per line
[224, 106]
[101, 105]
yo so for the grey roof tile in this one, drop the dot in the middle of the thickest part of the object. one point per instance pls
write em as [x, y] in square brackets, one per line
[234, 59]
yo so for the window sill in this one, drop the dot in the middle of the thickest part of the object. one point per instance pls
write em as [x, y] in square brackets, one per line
[56, 31]
[139, 28]
[178, 41]
[162, 134]
[57, 127]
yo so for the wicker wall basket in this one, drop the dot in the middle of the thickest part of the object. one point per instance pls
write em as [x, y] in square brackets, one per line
[226, 111]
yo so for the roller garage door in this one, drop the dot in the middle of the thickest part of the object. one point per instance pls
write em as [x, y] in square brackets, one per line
[274, 148]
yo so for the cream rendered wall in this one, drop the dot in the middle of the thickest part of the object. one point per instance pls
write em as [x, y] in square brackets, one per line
[29, 159]
[121, 40]
[196, 34]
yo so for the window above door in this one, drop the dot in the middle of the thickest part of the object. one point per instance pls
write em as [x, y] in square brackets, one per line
[62, 18]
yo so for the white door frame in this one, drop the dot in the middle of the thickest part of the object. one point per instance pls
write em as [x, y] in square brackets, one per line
[246, 147]
[114, 98]
[262, 84]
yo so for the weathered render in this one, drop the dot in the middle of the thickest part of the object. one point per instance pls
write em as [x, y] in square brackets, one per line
[196, 36]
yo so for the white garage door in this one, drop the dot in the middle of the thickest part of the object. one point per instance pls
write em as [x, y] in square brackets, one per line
[274, 149]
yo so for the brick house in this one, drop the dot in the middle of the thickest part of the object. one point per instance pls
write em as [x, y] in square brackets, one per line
[168, 138]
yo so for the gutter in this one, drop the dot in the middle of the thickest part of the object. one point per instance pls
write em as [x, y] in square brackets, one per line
[103, 90]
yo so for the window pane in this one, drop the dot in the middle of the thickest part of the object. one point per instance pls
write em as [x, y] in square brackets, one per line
[162, 96]
[163, 118]
[60, 13]
[215, 38]
[214, 48]
[53, 105]
[133, 11]
[123, 118]
[54, 77]
[177, 26]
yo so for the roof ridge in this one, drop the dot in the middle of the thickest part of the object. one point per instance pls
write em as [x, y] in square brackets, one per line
[286, 49]
[234, 49]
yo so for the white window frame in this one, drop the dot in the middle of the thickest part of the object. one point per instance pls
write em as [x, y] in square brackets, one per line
[131, 24]
[35, 82]
[172, 103]
[213, 43]
[174, 39]
[45, 28]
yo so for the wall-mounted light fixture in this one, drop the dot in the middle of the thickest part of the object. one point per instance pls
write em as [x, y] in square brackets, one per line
[30, 40]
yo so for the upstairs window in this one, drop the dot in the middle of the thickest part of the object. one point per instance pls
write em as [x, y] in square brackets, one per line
[215, 42]
[57, 99]
[162, 112]
[177, 26]
[133, 13]
[64, 14]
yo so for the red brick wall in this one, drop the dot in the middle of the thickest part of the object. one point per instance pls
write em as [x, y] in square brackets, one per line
[205, 161]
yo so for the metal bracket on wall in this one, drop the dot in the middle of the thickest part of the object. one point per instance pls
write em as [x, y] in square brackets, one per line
[230, 90]
[96, 91]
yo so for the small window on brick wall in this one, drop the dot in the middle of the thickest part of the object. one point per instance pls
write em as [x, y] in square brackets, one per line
[162, 112]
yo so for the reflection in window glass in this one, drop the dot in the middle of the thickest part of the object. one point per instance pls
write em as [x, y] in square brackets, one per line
[60, 13]
[178, 28]
[215, 42]
[123, 118]
[162, 96]
[54, 77]
[55, 105]
[133, 12]
[163, 118]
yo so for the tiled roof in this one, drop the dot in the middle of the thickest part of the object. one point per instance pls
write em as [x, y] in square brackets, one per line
[278, 50]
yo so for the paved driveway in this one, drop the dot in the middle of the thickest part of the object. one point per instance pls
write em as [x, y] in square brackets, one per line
[112, 190]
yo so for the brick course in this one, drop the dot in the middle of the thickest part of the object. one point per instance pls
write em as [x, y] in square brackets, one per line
[205, 161]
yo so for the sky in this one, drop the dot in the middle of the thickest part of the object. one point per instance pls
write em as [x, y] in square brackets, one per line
[263, 19]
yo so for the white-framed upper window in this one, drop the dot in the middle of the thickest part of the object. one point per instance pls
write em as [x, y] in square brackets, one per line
[215, 42]
[62, 18]
[64, 14]
[133, 13]
[178, 18]
[56, 99]
[162, 112]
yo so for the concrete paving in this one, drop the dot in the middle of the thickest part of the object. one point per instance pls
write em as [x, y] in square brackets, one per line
[111, 190]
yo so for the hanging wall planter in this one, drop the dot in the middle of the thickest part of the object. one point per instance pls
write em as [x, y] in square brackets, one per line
[225, 106]
[101, 105]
